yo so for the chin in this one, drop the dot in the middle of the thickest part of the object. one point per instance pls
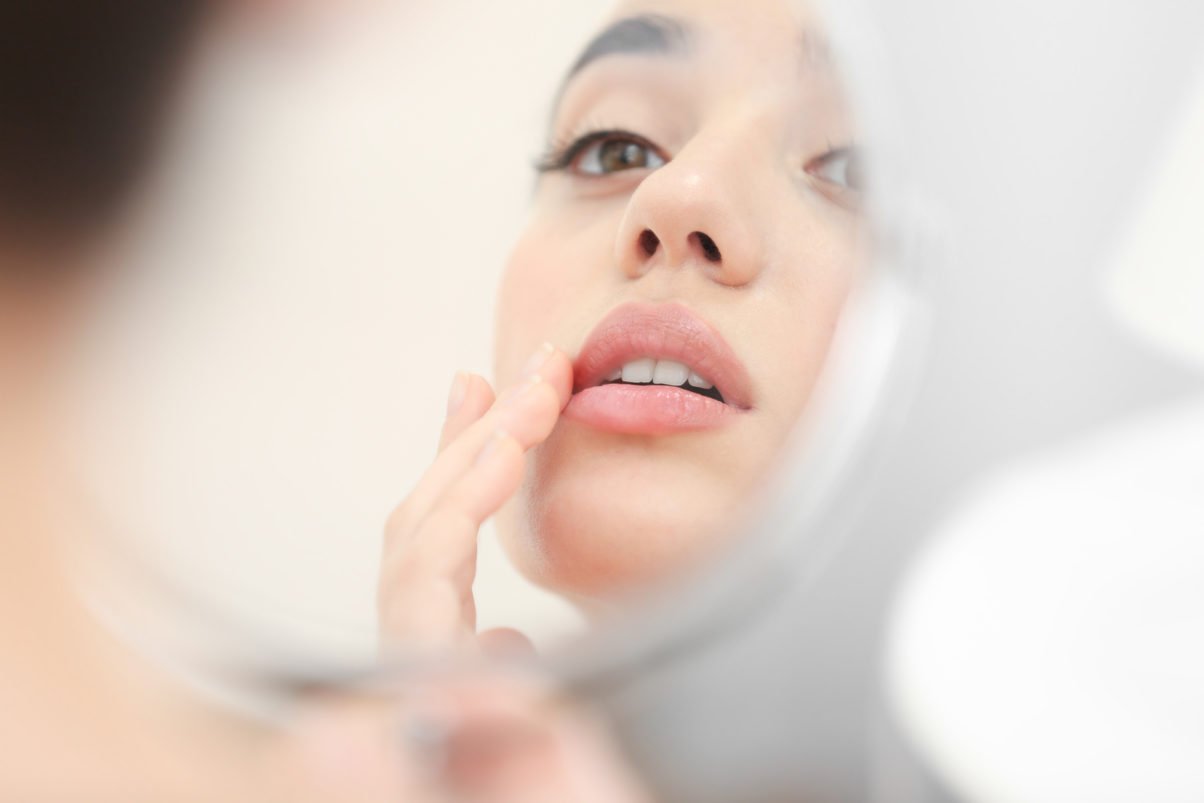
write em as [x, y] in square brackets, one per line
[591, 524]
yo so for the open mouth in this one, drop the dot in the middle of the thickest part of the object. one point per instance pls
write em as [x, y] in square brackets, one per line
[668, 373]
[657, 369]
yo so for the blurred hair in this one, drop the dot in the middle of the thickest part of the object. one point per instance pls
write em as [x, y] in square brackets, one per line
[84, 85]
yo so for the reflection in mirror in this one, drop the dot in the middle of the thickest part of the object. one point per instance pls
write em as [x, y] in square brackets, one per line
[261, 382]
[696, 228]
[695, 231]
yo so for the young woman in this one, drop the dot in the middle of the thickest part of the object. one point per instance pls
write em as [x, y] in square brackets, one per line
[694, 233]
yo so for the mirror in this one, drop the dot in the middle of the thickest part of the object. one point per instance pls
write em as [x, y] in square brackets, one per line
[350, 216]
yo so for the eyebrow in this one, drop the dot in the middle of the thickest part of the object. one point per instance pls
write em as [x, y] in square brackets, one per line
[647, 34]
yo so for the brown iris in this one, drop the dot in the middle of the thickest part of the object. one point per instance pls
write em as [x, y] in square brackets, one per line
[617, 154]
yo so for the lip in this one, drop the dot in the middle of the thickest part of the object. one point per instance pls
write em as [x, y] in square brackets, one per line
[662, 331]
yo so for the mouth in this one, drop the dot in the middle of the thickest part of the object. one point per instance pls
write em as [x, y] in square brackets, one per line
[655, 369]
[664, 373]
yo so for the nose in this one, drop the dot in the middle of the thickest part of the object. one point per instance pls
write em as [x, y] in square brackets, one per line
[696, 211]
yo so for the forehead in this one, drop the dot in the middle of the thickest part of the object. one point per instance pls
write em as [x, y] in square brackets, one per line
[714, 53]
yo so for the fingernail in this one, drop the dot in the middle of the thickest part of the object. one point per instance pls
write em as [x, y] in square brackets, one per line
[538, 360]
[459, 390]
[492, 445]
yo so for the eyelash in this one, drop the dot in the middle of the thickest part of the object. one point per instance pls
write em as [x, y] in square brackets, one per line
[563, 154]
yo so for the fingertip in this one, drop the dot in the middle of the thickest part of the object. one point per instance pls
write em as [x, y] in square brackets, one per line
[554, 399]
[532, 412]
[479, 395]
[470, 398]
[558, 372]
[506, 642]
[457, 393]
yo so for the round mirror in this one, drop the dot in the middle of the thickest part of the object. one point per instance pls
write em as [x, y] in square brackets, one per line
[680, 198]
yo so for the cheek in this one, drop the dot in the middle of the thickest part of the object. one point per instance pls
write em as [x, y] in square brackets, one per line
[556, 285]
[806, 304]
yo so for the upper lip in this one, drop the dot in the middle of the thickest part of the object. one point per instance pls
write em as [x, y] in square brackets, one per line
[662, 331]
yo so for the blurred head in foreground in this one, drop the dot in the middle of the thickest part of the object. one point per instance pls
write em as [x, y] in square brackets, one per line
[695, 231]
[84, 88]
[85, 93]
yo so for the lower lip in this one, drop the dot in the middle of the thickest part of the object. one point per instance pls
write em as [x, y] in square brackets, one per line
[646, 410]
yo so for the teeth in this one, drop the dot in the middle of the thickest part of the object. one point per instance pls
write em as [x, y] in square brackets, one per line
[668, 372]
[639, 372]
[659, 372]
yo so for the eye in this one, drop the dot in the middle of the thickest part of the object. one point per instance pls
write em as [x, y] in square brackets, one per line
[602, 153]
[616, 154]
[840, 166]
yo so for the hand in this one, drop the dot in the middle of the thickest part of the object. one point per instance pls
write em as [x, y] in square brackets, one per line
[487, 737]
[425, 594]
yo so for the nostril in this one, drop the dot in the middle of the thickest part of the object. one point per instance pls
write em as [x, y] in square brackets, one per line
[649, 242]
[709, 249]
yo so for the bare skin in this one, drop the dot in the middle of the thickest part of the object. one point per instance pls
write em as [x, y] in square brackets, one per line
[430, 542]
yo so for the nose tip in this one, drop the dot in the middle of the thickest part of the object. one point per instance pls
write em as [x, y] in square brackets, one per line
[689, 213]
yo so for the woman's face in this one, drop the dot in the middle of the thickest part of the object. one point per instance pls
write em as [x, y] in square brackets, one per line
[696, 224]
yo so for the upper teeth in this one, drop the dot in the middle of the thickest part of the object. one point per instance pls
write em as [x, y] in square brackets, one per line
[659, 372]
